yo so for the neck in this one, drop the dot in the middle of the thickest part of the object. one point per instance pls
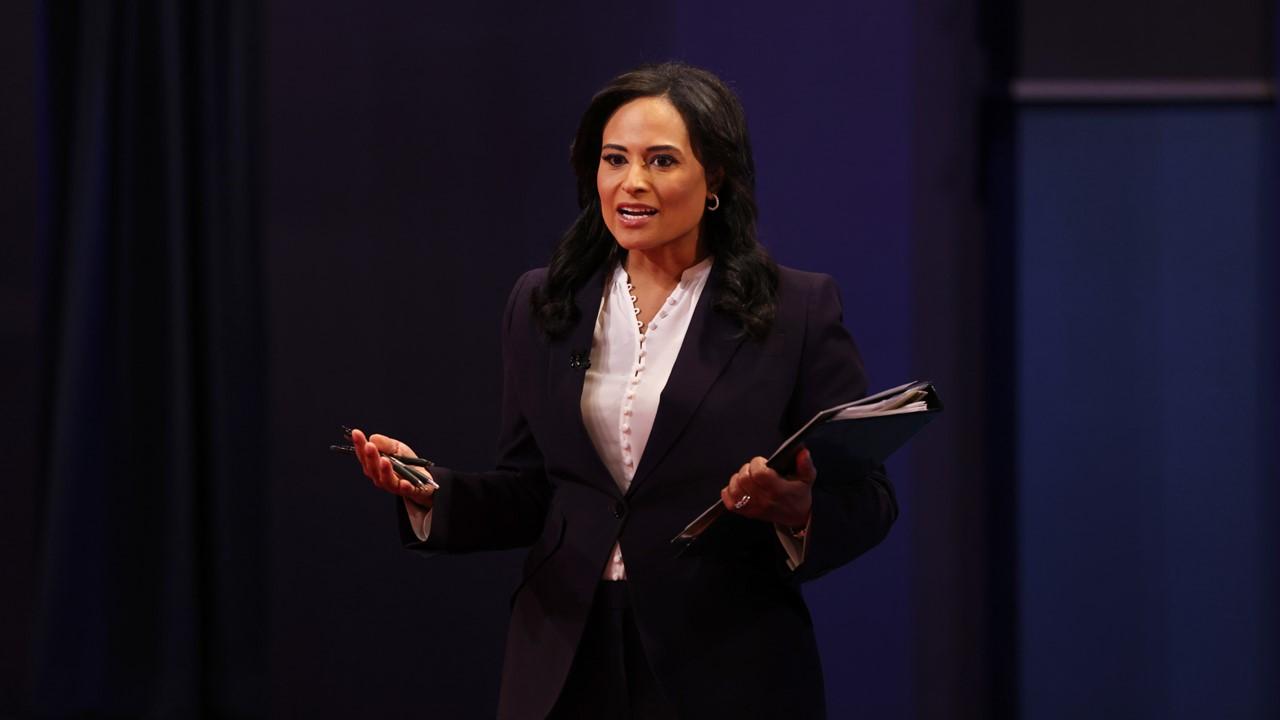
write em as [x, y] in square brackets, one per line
[664, 265]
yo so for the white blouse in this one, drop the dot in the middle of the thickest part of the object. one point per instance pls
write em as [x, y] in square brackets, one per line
[629, 368]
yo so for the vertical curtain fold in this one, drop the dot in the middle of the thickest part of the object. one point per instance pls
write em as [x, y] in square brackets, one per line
[152, 567]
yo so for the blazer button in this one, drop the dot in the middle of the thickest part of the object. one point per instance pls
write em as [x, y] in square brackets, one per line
[619, 509]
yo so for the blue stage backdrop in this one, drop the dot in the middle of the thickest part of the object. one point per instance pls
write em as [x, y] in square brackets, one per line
[1146, 357]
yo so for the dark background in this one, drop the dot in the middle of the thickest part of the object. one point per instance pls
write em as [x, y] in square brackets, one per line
[229, 228]
[1170, 39]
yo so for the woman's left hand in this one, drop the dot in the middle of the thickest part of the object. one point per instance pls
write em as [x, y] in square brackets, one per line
[756, 491]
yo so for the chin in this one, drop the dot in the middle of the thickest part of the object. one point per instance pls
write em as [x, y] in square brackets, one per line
[632, 240]
[642, 241]
[634, 243]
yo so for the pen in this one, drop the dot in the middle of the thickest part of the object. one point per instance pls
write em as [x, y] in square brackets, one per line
[346, 434]
[400, 466]
[414, 477]
[414, 461]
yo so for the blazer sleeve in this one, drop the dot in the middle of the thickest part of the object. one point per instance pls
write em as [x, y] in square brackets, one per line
[504, 507]
[853, 506]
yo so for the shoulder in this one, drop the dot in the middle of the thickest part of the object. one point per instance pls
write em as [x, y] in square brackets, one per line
[522, 291]
[810, 308]
[803, 281]
[801, 290]
[810, 311]
[528, 281]
[519, 312]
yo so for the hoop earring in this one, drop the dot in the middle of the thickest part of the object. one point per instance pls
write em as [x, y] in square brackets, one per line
[714, 204]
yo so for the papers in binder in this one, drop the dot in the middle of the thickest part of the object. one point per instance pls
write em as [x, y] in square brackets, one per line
[865, 431]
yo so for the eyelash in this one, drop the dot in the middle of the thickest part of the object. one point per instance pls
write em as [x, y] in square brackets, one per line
[661, 161]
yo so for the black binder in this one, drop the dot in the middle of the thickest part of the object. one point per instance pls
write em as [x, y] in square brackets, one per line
[865, 431]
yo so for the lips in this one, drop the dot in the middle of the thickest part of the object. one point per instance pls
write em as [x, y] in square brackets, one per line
[635, 215]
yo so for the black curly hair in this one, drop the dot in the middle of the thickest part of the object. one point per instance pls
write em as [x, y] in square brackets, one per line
[718, 132]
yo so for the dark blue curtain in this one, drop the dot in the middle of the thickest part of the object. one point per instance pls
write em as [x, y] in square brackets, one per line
[152, 490]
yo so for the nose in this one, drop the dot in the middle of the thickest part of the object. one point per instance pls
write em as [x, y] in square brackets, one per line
[636, 180]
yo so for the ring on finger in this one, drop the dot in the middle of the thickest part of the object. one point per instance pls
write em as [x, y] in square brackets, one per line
[742, 502]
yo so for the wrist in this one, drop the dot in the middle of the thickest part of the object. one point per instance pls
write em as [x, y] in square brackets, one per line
[798, 531]
[798, 519]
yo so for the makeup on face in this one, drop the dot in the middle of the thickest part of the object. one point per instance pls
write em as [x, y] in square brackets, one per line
[652, 187]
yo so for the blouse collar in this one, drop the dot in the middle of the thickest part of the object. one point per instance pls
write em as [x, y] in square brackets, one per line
[692, 276]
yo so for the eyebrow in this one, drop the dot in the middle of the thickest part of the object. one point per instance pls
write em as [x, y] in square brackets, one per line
[651, 148]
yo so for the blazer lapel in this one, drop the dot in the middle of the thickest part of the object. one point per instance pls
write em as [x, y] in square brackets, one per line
[566, 375]
[709, 344]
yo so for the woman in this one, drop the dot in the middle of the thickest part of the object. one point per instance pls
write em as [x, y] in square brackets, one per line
[644, 372]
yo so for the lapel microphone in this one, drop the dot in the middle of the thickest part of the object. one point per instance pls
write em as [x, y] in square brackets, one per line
[579, 360]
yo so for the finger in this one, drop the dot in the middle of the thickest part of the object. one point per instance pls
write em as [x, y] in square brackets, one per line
[358, 442]
[739, 475]
[424, 497]
[367, 452]
[806, 471]
[387, 478]
[732, 494]
[373, 470]
[392, 446]
[762, 474]
[738, 489]
[371, 461]
[405, 489]
[762, 484]
[388, 445]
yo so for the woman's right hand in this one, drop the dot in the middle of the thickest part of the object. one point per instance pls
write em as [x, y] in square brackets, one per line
[379, 470]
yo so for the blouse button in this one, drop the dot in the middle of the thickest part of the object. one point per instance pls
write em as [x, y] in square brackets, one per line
[663, 314]
[631, 394]
[626, 411]
[653, 326]
[671, 301]
[626, 428]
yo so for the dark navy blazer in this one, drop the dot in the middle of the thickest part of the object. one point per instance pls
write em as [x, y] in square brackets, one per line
[723, 623]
